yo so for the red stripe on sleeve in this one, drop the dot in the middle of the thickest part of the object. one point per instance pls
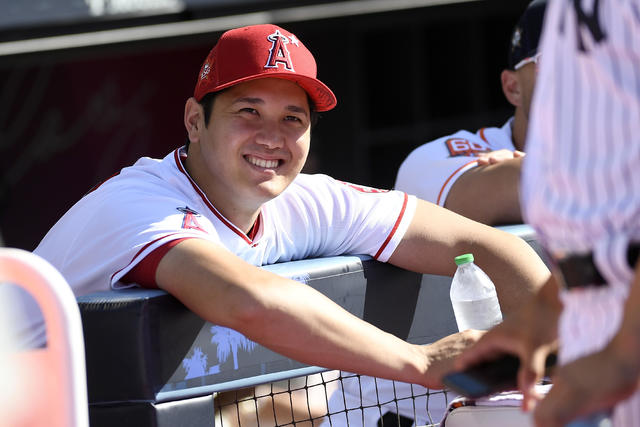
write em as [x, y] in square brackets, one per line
[144, 272]
[395, 226]
[449, 179]
[482, 135]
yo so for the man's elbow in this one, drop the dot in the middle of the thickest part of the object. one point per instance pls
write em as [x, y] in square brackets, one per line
[234, 307]
[252, 307]
[246, 316]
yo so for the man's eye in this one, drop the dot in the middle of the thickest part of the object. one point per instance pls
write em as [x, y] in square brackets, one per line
[293, 118]
[249, 110]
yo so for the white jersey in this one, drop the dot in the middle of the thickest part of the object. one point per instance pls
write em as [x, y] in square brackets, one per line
[430, 170]
[105, 234]
[581, 177]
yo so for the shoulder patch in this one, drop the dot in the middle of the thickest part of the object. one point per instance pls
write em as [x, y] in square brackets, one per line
[189, 220]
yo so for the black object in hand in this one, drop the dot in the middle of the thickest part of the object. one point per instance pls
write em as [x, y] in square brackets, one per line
[489, 377]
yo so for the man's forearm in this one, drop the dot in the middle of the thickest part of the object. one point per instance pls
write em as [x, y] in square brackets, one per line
[303, 324]
[436, 236]
[626, 343]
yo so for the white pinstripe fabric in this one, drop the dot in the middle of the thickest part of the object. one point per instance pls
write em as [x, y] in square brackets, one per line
[581, 177]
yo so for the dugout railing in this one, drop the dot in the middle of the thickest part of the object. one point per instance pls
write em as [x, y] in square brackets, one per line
[153, 363]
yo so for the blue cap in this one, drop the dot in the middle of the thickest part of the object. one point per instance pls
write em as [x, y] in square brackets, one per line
[526, 34]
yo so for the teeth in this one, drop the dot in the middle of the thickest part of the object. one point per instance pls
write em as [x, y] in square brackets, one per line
[263, 163]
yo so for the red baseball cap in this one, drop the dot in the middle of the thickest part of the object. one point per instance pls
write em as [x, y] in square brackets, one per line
[260, 51]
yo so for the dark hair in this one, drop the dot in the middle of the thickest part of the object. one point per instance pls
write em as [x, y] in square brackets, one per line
[313, 113]
[207, 107]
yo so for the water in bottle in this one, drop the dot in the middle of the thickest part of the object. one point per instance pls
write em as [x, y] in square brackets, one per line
[473, 296]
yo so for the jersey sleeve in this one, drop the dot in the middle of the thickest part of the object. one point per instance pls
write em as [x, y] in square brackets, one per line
[430, 170]
[144, 272]
[105, 235]
[161, 221]
[330, 217]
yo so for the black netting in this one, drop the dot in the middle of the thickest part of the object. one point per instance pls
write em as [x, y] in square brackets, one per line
[331, 399]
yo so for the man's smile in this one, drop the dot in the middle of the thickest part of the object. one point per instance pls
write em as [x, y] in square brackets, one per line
[262, 163]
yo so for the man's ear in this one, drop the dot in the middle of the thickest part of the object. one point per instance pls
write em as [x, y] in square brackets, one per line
[193, 119]
[511, 87]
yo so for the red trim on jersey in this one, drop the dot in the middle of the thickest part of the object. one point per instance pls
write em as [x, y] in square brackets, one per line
[254, 230]
[395, 226]
[481, 132]
[212, 208]
[449, 179]
[140, 251]
[144, 272]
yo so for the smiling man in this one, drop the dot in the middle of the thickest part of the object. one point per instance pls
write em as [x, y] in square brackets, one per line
[256, 147]
[200, 222]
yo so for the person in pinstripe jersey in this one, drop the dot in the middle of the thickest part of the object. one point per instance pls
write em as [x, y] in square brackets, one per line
[581, 191]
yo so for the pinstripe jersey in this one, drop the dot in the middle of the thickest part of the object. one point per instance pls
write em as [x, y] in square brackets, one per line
[581, 177]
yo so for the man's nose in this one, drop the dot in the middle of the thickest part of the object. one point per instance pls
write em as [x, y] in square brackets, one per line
[270, 135]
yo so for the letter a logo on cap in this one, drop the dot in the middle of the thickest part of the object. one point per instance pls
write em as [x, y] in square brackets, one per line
[279, 52]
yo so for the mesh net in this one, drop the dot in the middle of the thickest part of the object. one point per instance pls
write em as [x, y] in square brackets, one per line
[331, 399]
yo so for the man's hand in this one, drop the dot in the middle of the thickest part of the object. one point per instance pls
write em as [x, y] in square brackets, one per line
[529, 333]
[589, 384]
[493, 157]
[599, 380]
[442, 353]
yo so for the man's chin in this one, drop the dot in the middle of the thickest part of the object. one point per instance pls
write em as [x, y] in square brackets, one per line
[270, 190]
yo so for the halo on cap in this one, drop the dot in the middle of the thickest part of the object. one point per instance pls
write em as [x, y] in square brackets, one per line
[262, 51]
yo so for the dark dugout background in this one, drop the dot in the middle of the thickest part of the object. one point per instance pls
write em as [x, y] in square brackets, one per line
[404, 72]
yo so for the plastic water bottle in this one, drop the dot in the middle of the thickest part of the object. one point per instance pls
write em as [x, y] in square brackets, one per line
[473, 296]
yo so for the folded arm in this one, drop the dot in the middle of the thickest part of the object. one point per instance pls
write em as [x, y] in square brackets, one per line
[489, 193]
